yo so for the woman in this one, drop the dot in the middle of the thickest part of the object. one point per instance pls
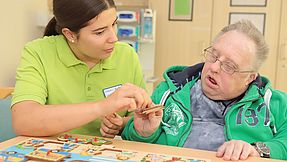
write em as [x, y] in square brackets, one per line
[78, 62]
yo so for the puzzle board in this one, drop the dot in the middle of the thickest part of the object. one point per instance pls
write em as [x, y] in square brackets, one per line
[50, 150]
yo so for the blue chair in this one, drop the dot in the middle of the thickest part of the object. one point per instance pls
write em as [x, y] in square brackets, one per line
[6, 130]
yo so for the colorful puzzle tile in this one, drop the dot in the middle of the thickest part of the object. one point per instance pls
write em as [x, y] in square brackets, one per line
[125, 155]
[12, 156]
[100, 141]
[70, 138]
[31, 143]
[84, 140]
[47, 155]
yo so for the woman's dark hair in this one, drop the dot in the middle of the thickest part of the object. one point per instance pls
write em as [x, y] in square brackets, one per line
[74, 14]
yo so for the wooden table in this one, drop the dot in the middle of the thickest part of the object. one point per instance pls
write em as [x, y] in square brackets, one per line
[5, 92]
[152, 148]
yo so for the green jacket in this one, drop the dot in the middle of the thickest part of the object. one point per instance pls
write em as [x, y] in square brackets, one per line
[261, 115]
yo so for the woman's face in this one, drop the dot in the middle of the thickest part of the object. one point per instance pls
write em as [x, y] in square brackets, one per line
[96, 41]
[236, 49]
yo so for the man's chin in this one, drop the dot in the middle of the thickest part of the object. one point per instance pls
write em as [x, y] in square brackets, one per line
[212, 95]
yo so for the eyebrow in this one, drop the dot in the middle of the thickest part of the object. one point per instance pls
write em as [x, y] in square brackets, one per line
[101, 28]
[227, 59]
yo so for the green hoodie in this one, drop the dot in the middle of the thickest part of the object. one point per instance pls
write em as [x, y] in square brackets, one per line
[260, 116]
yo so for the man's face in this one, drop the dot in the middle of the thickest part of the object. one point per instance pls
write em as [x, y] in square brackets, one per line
[232, 48]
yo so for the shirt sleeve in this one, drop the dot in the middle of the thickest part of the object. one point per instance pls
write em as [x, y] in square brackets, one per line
[30, 78]
[278, 144]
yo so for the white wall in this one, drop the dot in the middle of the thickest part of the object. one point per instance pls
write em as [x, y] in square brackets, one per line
[19, 19]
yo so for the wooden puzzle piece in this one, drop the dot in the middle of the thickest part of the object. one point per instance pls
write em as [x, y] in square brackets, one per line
[67, 147]
[12, 156]
[167, 158]
[84, 140]
[145, 111]
[125, 155]
[100, 141]
[31, 143]
[47, 155]
[88, 150]
[70, 138]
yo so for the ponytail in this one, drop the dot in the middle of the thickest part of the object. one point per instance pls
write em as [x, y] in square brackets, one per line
[51, 28]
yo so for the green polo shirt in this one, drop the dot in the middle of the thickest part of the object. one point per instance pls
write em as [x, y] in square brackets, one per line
[49, 73]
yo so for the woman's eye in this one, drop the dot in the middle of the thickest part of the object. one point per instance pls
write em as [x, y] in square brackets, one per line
[116, 23]
[99, 33]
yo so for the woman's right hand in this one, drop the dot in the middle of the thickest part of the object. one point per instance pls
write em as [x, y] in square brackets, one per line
[127, 97]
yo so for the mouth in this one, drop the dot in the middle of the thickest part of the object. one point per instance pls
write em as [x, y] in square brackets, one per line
[109, 50]
[212, 81]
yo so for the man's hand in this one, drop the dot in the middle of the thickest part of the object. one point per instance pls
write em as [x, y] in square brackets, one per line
[111, 125]
[236, 150]
[147, 124]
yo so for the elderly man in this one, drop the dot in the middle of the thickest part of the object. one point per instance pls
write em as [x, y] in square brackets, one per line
[221, 105]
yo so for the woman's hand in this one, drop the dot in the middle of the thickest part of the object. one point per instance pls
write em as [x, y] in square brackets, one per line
[111, 125]
[127, 97]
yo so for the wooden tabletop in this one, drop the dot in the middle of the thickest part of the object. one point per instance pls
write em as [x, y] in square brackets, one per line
[151, 148]
[5, 92]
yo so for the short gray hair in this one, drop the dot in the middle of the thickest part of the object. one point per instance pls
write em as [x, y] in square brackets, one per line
[247, 28]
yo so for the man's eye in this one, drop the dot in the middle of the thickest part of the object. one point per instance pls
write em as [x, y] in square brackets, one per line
[212, 55]
[228, 66]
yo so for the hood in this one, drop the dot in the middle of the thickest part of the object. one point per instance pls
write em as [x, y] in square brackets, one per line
[177, 76]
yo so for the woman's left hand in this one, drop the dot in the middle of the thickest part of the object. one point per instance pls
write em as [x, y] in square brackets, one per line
[111, 125]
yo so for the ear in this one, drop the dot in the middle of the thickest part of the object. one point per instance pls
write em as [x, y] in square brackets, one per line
[251, 78]
[70, 36]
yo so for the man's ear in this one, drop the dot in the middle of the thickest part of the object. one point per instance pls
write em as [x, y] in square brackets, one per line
[70, 36]
[251, 77]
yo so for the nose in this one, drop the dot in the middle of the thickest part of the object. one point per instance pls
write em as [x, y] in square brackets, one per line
[113, 36]
[215, 67]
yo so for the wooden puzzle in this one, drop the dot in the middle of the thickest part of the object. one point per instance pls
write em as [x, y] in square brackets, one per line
[50, 150]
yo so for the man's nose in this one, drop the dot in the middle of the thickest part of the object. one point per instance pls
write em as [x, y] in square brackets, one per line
[216, 66]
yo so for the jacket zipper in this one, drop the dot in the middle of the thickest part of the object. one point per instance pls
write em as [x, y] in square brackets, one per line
[188, 130]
